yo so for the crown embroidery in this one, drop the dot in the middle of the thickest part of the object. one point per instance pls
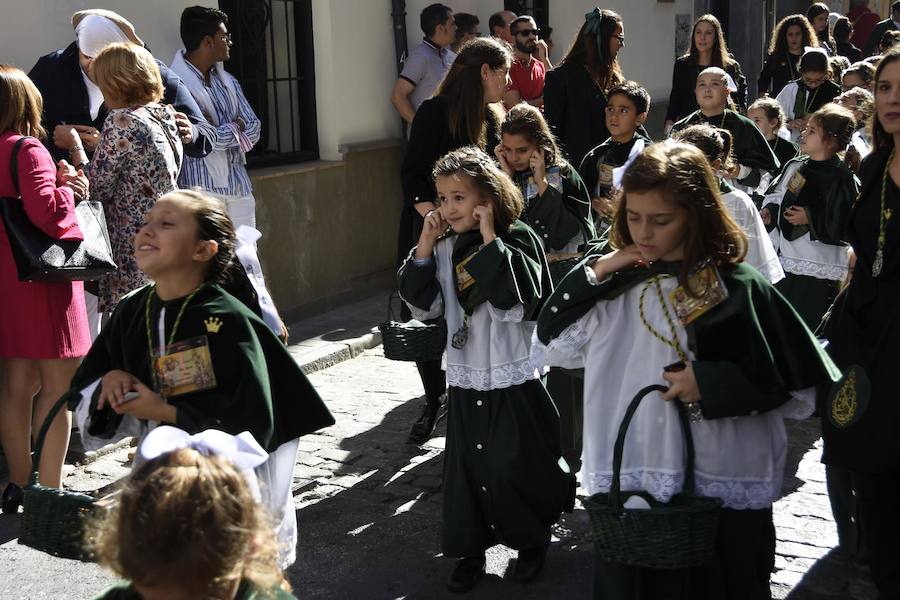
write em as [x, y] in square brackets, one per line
[213, 324]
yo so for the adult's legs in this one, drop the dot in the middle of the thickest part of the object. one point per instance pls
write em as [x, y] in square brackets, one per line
[434, 381]
[877, 497]
[843, 508]
[19, 382]
[55, 376]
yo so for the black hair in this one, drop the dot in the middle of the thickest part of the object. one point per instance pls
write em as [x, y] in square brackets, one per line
[432, 16]
[817, 62]
[197, 22]
[521, 19]
[889, 39]
[895, 7]
[634, 92]
[841, 30]
[465, 23]
[496, 20]
[714, 142]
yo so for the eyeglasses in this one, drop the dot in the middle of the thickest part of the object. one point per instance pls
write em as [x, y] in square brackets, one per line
[528, 32]
[813, 83]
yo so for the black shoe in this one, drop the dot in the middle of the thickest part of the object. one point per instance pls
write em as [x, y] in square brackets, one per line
[424, 426]
[530, 563]
[12, 499]
[466, 574]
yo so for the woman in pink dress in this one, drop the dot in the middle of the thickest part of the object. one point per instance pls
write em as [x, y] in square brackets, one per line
[43, 326]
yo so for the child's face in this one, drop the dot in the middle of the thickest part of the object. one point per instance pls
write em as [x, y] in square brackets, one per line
[765, 124]
[657, 225]
[458, 196]
[849, 102]
[852, 80]
[794, 37]
[518, 151]
[711, 91]
[167, 241]
[622, 117]
[812, 140]
[813, 79]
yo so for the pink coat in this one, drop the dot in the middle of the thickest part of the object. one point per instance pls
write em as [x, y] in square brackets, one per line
[39, 320]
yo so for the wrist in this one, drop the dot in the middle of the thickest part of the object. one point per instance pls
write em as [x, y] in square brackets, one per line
[424, 249]
[488, 236]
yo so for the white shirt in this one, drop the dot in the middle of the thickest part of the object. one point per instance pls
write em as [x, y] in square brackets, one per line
[761, 253]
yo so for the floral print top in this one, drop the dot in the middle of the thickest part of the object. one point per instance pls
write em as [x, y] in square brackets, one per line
[137, 160]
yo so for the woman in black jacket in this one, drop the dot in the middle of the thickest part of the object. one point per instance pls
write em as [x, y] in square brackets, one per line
[575, 91]
[842, 31]
[708, 49]
[459, 114]
[792, 34]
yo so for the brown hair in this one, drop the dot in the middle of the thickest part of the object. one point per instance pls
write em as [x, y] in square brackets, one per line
[862, 69]
[771, 107]
[127, 73]
[21, 104]
[714, 142]
[865, 102]
[816, 9]
[188, 519]
[213, 224]
[592, 50]
[837, 123]
[527, 121]
[682, 174]
[890, 39]
[464, 91]
[881, 138]
[494, 184]
[720, 56]
[778, 41]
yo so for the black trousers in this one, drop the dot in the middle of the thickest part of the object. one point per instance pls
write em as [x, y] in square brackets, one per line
[878, 498]
[845, 510]
[743, 562]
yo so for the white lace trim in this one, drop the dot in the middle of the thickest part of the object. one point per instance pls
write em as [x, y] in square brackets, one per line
[496, 377]
[813, 269]
[562, 349]
[739, 495]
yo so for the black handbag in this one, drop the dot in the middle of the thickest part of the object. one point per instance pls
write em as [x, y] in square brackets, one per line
[40, 257]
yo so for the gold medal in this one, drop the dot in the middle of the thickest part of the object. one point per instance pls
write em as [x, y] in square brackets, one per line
[795, 185]
[706, 281]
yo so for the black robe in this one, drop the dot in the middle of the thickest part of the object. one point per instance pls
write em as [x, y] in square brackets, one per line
[777, 71]
[750, 146]
[784, 150]
[609, 153]
[863, 329]
[683, 97]
[258, 386]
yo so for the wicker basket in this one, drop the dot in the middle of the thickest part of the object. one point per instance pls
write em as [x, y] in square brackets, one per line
[402, 341]
[54, 519]
[674, 535]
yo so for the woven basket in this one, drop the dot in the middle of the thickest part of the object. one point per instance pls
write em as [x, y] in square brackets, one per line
[674, 535]
[54, 519]
[402, 341]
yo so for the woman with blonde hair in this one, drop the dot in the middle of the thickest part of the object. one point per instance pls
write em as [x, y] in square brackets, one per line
[137, 158]
[43, 329]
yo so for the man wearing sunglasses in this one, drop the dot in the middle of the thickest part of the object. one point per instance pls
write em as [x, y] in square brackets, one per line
[529, 66]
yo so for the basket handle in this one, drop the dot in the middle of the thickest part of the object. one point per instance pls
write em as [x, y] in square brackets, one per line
[390, 306]
[619, 448]
[39, 443]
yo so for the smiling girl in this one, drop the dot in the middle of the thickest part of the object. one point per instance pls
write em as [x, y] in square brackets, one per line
[807, 210]
[183, 351]
[485, 272]
[675, 293]
[754, 160]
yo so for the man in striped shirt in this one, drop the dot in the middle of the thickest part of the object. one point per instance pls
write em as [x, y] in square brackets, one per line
[236, 127]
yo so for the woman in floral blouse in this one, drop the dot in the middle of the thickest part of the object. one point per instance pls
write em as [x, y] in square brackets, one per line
[137, 158]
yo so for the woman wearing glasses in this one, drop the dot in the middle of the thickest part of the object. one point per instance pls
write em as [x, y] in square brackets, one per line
[575, 93]
[708, 49]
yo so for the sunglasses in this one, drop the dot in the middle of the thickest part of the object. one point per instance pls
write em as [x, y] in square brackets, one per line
[527, 32]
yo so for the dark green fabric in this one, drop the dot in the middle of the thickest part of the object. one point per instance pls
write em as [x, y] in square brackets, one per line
[247, 591]
[750, 146]
[259, 386]
[828, 195]
[809, 101]
[608, 153]
[810, 296]
[755, 329]
[784, 151]
[556, 216]
[511, 489]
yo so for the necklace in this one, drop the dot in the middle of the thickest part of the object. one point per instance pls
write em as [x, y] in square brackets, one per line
[790, 66]
[171, 336]
[673, 342]
[884, 217]
[811, 100]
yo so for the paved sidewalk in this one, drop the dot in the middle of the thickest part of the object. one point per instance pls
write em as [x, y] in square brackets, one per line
[369, 505]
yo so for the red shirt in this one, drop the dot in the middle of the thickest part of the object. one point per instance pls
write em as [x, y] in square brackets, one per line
[527, 79]
[864, 21]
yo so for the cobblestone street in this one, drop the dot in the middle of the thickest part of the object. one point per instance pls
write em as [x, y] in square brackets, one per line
[369, 510]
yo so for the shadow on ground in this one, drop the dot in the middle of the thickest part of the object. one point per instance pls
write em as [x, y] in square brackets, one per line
[833, 577]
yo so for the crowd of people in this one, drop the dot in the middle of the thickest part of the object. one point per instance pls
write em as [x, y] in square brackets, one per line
[744, 262]
[746, 265]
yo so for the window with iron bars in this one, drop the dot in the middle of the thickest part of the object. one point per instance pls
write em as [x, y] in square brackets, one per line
[273, 60]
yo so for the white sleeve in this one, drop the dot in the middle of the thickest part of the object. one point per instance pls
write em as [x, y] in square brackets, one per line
[566, 349]
[514, 315]
[786, 98]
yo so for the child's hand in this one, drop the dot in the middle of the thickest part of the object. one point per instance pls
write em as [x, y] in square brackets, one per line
[484, 214]
[539, 168]
[501, 158]
[113, 387]
[602, 206]
[796, 215]
[618, 260]
[434, 227]
[683, 385]
[766, 216]
[146, 405]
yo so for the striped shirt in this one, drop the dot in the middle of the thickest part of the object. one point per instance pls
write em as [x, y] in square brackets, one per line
[194, 172]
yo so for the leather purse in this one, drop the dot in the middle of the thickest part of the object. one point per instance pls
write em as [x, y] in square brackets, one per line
[41, 258]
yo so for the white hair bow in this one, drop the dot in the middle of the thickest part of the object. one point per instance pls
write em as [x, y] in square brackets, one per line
[809, 49]
[243, 450]
[619, 172]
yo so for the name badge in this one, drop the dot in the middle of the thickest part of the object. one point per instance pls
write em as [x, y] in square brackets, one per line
[708, 283]
[795, 185]
[463, 279]
[604, 180]
[184, 367]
